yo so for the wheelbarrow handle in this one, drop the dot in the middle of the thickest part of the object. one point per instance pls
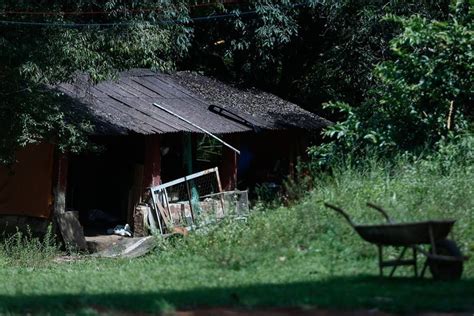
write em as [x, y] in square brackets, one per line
[381, 210]
[340, 211]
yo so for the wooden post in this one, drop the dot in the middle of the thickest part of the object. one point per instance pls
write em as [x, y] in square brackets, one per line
[152, 162]
[152, 170]
[193, 194]
[292, 157]
[60, 185]
[228, 170]
[69, 226]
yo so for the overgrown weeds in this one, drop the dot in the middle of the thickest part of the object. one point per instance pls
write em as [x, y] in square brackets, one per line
[299, 255]
[25, 249]
[409, 189]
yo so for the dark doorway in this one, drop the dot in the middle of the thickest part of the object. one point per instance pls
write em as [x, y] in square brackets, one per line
[103, 185]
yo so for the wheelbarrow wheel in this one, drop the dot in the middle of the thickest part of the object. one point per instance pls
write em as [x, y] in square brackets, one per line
[442, 269]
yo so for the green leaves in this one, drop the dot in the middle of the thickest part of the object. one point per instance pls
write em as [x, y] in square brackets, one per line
[34, 56]
[429, 81]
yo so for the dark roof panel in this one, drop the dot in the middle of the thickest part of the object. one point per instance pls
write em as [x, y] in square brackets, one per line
[126, 105]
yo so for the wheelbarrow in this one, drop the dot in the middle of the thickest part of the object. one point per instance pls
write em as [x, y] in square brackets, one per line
[443, 258]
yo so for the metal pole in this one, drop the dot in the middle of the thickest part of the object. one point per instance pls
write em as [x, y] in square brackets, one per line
[198, 127]
[380, 260]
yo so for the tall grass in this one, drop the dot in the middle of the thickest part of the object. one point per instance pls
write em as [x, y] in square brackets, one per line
[25, 249]
[409, 190]
[299, 255]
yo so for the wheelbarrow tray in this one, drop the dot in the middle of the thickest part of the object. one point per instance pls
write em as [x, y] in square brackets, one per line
[405, 234]
[444, 258]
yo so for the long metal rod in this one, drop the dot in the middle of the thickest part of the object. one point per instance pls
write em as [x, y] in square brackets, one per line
[183, 179]
[198, 127]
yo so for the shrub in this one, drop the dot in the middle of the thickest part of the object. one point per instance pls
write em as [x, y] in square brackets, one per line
[26, 250]
[410, 189]
[421, 96]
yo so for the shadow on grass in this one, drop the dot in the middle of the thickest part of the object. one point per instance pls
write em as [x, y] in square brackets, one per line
[395, 295]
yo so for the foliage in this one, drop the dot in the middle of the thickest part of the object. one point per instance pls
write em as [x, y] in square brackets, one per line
[25, 250]
[296, 187]
[248, 45]
[419, 97]
[340, 44]
[35, 57]
[308, 51]
[300, 256]
[413, 189]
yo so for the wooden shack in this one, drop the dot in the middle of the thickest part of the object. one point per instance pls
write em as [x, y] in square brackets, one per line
[141, 144]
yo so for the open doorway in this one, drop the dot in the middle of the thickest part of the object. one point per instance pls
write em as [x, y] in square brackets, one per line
[105, 185]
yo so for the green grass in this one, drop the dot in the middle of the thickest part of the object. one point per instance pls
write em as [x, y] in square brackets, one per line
[300, 256]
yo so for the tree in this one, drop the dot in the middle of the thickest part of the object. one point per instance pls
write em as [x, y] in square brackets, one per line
[421, 95]
[340, 42]
[46, 42]
[309, 51]
[247, 45]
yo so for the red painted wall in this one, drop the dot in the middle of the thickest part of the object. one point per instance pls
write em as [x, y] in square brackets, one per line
[26, 189]
[152, 163]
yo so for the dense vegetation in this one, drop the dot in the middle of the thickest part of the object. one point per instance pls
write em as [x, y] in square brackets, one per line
[304, 255]
[399, 75]
[43, 43]
[310, 52]
[422, 97]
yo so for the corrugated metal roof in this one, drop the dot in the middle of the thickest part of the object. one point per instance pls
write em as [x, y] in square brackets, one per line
[126, 105]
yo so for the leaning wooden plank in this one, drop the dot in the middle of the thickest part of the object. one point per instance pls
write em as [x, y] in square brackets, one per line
[153, 207]
[151, 221]
[162, 211]
[71, 231]
[128, 248]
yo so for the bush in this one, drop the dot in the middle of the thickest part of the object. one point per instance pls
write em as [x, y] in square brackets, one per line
[26, 250]
[422, 95]
[410, 189]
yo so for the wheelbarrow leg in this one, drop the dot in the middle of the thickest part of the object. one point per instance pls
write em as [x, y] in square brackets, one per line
[433, 247]
[400, 257]
[432, 240]
[380, 260]
[425, 265]
[415, 261]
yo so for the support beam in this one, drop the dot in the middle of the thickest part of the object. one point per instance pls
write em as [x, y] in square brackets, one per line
[71, 230]
[228, 169]
[292, 159]
[152, 163]
[60, 185]
[188, 153]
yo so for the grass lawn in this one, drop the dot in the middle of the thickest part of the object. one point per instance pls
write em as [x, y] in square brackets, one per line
[299, 256]
[155, 283]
